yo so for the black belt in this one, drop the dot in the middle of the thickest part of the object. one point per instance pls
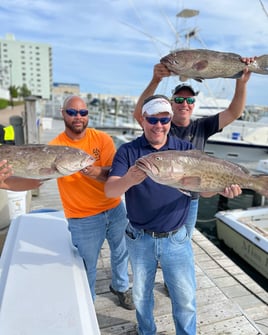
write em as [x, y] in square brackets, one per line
[160, 235]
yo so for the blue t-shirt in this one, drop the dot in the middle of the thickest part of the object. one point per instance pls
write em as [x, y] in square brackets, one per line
[151, 206]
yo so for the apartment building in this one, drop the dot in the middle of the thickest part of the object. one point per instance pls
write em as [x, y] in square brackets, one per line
[26, 63]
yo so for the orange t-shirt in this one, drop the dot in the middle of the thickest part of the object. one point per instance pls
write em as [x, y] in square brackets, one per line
[83, 196]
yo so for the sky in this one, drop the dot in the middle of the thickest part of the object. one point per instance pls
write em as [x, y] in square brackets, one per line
[111, 47]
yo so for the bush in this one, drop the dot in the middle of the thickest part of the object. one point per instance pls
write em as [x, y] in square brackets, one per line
[3, 103]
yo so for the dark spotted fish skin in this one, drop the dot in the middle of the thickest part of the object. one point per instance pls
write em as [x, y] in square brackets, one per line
[41, 161]
[194, 170]
[200, 64]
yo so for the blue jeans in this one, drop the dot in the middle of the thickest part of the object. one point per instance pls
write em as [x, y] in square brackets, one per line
[177, 262]
[191, 217]
[88, 235]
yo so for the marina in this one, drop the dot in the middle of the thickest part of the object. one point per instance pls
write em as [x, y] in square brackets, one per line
[240, 142]
[43, 284]
[228, 300]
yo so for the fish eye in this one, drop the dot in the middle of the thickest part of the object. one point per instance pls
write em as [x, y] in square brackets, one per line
[158, 158]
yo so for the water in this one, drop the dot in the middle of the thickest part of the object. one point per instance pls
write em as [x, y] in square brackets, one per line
[206, 224]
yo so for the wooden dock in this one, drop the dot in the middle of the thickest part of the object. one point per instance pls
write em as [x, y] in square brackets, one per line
[229, 302]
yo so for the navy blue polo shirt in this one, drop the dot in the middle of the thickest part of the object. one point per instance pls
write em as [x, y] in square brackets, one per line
[151, 206]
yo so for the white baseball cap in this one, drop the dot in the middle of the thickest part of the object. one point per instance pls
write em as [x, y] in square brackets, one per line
[156, 106]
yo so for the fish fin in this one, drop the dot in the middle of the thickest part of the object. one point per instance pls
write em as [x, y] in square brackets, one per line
[201, 65]
[200, 80]
[187, 182]
[185, 192]
[260, 65]
[261, 186]
[237, 75]
[46, 172]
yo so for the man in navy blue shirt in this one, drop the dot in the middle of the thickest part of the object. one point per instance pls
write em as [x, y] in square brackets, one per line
[199, 130]
[156, 231]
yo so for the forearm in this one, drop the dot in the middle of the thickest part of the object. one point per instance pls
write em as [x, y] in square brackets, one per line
[236, 107]
[99, 173]
[150, 89]
[117, 186]
[20, 184]
[238, 103]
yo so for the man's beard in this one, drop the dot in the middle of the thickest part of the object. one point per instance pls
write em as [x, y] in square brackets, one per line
[74, 129]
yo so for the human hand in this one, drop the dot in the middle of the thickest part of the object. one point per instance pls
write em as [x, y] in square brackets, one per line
[232, 191]
[160, 71]
[88, 171]
[245, 76]
[5, 170]
[135, 175]
[99, 173]
[246, 73]
[248, 60]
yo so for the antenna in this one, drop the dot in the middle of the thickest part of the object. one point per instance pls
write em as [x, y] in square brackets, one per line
[263, 8]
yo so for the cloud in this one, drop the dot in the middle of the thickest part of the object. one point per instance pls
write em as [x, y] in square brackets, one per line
[112, 46]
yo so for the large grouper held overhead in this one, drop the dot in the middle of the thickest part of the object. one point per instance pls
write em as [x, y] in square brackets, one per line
[194, 170]
[41, 161]
[200, 64]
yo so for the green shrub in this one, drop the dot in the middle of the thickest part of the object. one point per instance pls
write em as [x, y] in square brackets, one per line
[3, 103]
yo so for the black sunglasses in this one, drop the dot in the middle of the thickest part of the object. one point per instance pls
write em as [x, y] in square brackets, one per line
[155, 120]
[75, 112]
[180, 100]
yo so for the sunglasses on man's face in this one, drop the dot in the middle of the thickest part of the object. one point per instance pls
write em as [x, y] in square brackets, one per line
[155, 120]
[74, 112]
[180, 100]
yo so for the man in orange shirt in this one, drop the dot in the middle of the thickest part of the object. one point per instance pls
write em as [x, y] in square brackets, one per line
[92, 216]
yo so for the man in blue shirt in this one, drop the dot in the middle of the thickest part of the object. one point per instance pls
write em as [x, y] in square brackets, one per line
[157, 214]
[196, 131]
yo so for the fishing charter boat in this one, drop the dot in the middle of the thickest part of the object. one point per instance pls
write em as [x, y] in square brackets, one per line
[241, 141]
[246, 232]
[43, 283]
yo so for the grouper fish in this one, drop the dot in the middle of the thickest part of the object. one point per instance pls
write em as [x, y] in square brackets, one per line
[202, 64]
[41, 161]
[194, 170]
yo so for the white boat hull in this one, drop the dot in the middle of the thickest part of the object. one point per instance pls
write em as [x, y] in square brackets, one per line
[240, 142]
[236, 151]
[246, 232]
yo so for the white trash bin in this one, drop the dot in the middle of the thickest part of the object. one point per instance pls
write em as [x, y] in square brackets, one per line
[16, 203]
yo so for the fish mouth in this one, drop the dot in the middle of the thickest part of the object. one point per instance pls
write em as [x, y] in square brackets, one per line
[87, 162]
[167, 60]
[69, 169]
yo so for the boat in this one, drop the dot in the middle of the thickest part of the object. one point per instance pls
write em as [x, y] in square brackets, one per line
[246, 232]
[43, 283]
[241, 141]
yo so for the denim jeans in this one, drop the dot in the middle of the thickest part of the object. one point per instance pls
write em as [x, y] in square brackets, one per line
[177, 262]
[192, 217]
[88, 235]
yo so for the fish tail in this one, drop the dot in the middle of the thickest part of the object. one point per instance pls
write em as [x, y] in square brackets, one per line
[260, 65]
[261, 185]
